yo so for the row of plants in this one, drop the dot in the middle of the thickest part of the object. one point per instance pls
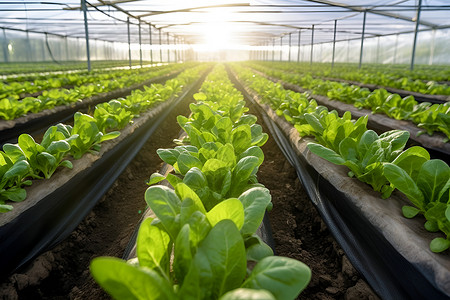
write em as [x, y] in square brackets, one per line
[431, 117]
[14, 89]
[11, 108]
[27, 160]
[39, 67]
[425, 83]
[378, 160]
[207, 221]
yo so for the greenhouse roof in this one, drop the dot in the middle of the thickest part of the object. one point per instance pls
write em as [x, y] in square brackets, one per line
[224, 22]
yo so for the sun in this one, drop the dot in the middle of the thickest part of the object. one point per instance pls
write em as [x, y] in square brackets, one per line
[216, 36]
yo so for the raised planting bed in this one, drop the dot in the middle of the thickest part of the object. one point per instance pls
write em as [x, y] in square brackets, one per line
[56, 206]
[34, 123]
[391, 252]
[299, 232]
[379, 122]
[438, 99]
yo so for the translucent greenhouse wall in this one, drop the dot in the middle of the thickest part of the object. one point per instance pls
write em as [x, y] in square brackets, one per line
[19, 46]
[432, 48]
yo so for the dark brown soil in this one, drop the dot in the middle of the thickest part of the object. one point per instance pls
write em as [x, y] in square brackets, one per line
[63, 273]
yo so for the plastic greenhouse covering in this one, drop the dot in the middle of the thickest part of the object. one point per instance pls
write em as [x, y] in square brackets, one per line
[226, 30]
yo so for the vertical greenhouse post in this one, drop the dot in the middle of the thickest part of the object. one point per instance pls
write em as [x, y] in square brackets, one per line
[175, 47]
[334, 44]
[312, 46]
[129, 41]
[290, 40]
[362, 40]
[419, 8]
[168, 47]
[150, 42]
[5, 47]
[273, 49]
[67, 48]
[29, 52]
[378, 49]
[86, 33]
[281, 48]
[395, 49]
[140, 42]
[160, 46]
[298, 46]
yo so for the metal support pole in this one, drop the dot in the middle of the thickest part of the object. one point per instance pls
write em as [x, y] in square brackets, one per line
[290, 40]
[86, 33]
[150, 42]
[175, 43]
[168, 47]
[29, 52]
[419, 8]
[5, 47]
[281, 48]
[273, 49]
[160, 46]
[140, 43]
[378, 50]
[298, 45]
[129, 41]
[312, 46]
[334, 44]
[362, 40]
[395, 49]
[67, 48]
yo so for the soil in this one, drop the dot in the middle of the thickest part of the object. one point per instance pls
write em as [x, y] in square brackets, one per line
[298, 231]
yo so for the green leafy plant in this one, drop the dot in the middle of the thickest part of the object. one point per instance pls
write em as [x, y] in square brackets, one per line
[428, 190]
[211, 241]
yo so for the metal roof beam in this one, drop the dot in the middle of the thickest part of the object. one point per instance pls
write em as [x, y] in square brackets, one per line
[382, 13]
[193, 8]
[101, 3]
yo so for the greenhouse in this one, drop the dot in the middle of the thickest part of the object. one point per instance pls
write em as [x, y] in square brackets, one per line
[270, 149]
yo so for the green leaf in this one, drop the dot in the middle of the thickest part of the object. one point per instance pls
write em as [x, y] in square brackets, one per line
[439, 244]
[5, 208]
[166, 206]
[231, 209]
[410, 212]
[184, 192]
[241, 137]
[248, 294]
[186, 162]
[58, 146]
[182, 254]
[326, 153]
[257, 249]
[18, 170]
[253, 151]
[226, 154]
[405, 184]
[431, 226]
[109, 136]
[170, 156]
[218, 266]
[200, 97]
[15, 194]
[155, 178]
[195, 179]
[284, 277]
[255, 202]
[432, 178]
[153, 249]
[123, 281]
[315, 123]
